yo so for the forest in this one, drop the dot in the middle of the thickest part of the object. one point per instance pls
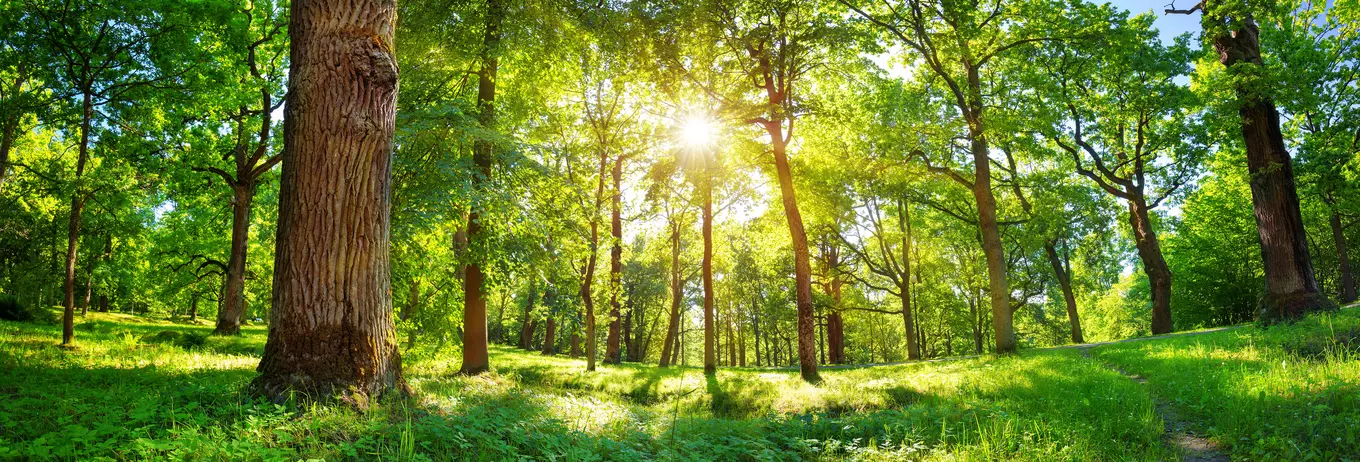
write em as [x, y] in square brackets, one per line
[679, 230]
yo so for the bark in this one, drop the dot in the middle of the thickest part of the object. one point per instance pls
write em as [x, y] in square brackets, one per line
[73, 224]
[475, 360]
[677, 293]
[1002, 325]
[331, 333]
[1064, 277]
[575, 344]
[526, 332]
[1154, 264]
[550, 337]
[802, 267]
[193, 308]
[1291, 288]
[234, 305]
[629, 343]
[611, 348]
[908, 320]
[710, 360]
[1347, 278]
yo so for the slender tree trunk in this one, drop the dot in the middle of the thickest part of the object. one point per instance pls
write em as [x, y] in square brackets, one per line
[331, 332]
[193, 307]
[755, 333]
[8, 134]
[1342, 249]
[234, 306]
[1065, 282]
[526, 332]
[611, 343]
[677, 294]
[73, 225]
[908, 322]
[1291, 288]
[710, 361]
[802, 267]
[1000, 292]
[475, 358]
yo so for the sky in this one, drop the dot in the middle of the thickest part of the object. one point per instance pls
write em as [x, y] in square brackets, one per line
[1170, 25]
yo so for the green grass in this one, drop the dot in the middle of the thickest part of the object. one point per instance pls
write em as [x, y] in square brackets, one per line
[119, 397]
[1287, 392]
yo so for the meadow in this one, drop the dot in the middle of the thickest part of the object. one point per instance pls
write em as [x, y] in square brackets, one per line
[130, 390]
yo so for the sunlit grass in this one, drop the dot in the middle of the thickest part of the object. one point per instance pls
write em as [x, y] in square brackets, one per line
[117, 396]
[1285, 392]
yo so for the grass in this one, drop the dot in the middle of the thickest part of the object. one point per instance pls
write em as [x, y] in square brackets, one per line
[119, 397]
[1287, 392]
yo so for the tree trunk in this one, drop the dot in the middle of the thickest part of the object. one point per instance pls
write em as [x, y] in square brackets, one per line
[475, 359]
[331, 331]
[677, 293]
[1065, 282]
[233, 307]
[611, 343]
[630, 349]
[550, 338]
[1291, 289]
[73, 225]
[193, 307]
[908, 321]
[1154, 265]
[1000, 292]
[710, 359]
[526, 332]
[802, 267]
[1347, 278]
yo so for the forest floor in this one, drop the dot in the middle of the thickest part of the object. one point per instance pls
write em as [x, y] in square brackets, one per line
[132, 391]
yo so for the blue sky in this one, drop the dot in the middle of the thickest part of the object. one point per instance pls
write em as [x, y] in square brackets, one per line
[1169, 25]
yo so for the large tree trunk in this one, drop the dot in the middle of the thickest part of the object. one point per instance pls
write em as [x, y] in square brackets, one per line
[1154, 265]
[710, 359]
[1347, 278]
[331, 333]
[1065, 282]
[677, 293]
[1291, 289]
[234, 306]
[475, 360]
[611, 343]
[73, 224]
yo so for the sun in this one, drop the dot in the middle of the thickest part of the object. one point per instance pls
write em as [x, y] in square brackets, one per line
[698, 131]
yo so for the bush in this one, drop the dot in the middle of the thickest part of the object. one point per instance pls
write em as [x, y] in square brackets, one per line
[185, 340]
[12, 310]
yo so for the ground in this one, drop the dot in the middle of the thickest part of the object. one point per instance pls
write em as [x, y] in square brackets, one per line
[131, 391]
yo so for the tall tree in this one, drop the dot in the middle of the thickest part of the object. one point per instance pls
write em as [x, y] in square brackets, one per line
[956, 42]
[331, 331]
[475, 360]
[1291, 288]
[250, 158]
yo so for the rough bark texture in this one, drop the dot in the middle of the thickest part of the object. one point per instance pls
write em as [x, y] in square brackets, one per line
[1347, 277]
[1291, 289]
[1003, 326]
[475, 359]
[331, 332]
[1154, 265]
[710, 360]
[1064, 277]
[550, 338]
[611, 348]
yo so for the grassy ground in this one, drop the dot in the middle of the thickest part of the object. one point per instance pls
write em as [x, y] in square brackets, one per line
[121, 396]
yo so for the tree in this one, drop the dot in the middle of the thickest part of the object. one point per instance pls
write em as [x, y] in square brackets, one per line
[956, 43]
[1122, 122]
[251, 159]
[331, 331]
[1291, 289]
[475, 359]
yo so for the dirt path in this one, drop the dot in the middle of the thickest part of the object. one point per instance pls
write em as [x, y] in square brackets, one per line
[1178, 435]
